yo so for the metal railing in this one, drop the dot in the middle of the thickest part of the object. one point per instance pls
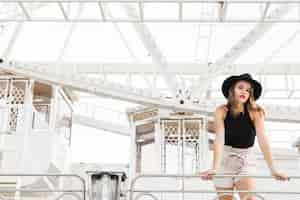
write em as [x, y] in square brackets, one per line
[182, 190]
[75, 193]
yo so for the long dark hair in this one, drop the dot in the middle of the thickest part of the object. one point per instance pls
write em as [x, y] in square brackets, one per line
[251, 104]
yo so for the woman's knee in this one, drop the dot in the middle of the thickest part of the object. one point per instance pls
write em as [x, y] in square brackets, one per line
[247, 197]
[225, 197]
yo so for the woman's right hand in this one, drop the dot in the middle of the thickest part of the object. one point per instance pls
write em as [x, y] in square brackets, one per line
[208, 174]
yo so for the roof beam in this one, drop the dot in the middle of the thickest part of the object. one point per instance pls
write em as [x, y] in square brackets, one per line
[264, 14]
[24, 10]
[64, 13]
[111, 90]
[175, 68]
[275, 113]
[101, 9]
[219, 4]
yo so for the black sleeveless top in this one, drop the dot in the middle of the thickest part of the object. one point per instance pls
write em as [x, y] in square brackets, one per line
[239, 130]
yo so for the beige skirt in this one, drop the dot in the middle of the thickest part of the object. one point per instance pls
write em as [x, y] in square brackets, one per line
[235, 161]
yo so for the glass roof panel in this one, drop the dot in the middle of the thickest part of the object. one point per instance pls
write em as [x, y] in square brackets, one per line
[244, 11]
[161, 10]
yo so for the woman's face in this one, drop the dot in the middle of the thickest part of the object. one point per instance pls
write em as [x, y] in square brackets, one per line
[242, 91]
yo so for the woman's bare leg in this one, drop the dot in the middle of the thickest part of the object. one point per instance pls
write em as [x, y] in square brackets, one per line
[245, 184]
[225, 196]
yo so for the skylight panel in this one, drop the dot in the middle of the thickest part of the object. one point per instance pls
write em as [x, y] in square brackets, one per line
[46, 11]
[265, 49]
[119, 11]
[134, 44]
[6, 29]
[10, 10]
[99, 42]
[274, 6]
[203, 43]
[200, 11]
[233, 34]
[156, 11]
[176, 41]
[294, 12]
[290, 51]
[42, 42]
[89, 10]
[243, 11]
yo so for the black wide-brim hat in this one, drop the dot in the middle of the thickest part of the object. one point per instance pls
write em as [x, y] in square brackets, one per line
[257, 88]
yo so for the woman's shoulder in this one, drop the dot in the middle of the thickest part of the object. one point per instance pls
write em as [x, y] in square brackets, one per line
[221, 110]
[258, 113]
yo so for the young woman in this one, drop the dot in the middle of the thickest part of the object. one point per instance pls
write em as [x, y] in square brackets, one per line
[237, 123]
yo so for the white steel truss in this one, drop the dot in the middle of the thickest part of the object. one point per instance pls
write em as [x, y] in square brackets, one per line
[222, 8]
[275, 112]
[154, 50]
[174, 68]
[223, 64]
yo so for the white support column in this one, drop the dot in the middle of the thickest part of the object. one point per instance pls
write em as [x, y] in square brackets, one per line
[158, 145]
[23, 136]
[204, 148]
[53, 108]
[27, 128]
[133, 150]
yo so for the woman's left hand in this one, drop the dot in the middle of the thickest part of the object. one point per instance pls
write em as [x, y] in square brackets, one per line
[280, 176]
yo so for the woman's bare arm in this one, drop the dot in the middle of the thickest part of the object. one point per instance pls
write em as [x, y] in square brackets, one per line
[265, 146]
[219, 139]
[263, 139]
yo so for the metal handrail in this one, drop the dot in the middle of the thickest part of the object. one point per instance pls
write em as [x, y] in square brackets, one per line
[132, 189]
[64, 191]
